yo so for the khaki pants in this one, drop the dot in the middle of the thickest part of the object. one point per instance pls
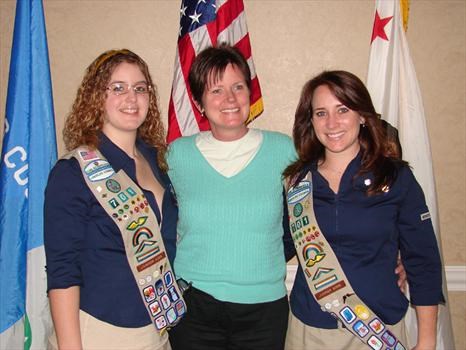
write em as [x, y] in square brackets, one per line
[99, 335]
[303, 337]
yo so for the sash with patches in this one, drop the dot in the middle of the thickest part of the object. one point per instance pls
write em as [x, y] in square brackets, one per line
[325, 277]
[126, 204]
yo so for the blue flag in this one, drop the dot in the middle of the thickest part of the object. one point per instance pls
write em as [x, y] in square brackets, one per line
[28, 153]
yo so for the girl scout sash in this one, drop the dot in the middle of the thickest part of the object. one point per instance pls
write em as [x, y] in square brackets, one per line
[126, 204]
[325, 277]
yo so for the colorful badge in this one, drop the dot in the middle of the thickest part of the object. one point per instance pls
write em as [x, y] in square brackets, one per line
[388, 338]
[347, 314]
[173, 294]
[149, 293]
[155, 308]
[113, 185]
[376, 325]
[165, 300]
[362, 312]
[298, 209]
[361, 329]
[98, 170]
[298, 193]
[171, 315]
[375, 343]
[160, 322]
[168, 279]
[180, 308]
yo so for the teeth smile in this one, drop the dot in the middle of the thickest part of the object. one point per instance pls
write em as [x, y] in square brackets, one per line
[335, 136]
[129, 110]
[230, 110]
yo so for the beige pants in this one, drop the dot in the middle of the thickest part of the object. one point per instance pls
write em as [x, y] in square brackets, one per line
[303, 337]
[99, 335]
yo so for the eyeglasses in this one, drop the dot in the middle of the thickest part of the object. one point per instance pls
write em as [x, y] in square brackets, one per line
[123, 88]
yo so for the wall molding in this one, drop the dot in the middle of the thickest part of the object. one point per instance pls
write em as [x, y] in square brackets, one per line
[455, 276]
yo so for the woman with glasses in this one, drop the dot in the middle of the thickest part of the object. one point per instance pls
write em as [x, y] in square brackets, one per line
[113, 184]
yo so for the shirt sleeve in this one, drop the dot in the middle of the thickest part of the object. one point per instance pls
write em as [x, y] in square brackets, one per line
[67, 201]
[418, 244]
[288, 244]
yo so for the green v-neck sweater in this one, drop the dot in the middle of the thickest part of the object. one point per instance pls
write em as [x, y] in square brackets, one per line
[230, 229]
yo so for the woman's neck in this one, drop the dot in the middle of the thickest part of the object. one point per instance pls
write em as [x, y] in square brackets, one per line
[125, 141]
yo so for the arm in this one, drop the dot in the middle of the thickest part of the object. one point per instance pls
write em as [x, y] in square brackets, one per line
[65, 217]
[288, 244]
[426, 327]
[421, 259]
[64, 306]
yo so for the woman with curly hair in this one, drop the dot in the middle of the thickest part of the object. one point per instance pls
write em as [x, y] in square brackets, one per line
[98, 299]
[354, 205]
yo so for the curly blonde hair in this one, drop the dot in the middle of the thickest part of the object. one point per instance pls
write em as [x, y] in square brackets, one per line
[85, 121]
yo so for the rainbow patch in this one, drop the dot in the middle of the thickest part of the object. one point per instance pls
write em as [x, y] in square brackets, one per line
[143, 232]
[312, 254]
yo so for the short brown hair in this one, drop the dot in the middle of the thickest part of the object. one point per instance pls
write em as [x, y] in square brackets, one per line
[211, 63]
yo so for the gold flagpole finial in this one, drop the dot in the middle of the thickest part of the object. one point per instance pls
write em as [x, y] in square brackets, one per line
[404, 7]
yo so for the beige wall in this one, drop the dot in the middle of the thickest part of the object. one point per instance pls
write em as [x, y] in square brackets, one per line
[291, 41]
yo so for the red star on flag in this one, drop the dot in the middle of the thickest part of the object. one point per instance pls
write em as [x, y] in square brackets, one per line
[379, 27]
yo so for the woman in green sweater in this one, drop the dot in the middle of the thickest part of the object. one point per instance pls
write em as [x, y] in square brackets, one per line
[230, 231]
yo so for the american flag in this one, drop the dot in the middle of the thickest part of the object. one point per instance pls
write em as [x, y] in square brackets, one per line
[205, 23]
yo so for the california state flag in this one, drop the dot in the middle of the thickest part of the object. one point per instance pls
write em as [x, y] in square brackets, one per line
[396, 95]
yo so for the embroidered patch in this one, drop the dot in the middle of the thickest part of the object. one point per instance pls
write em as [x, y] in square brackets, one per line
[312, 253]
[321, 271]
[180, 308]
[389, 338]
[171, 315]
[88, 155]
[361, 329]
[375, 343]
[160, 322]
[173, 294]
[333, 288]
[296, 194]
[98, 170]
[347, 314]
[113, 185]
[425, 216]
[399, 346]
[362, 311]
[326, 282]
[298, 209]
[155, 308]
[376, 325]
[149, 293]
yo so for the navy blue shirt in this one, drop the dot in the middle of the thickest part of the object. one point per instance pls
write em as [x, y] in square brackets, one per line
[84, 246]
[366, 233]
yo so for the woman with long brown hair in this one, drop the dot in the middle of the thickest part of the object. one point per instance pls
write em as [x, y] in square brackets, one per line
[113, 183]
[351, 192]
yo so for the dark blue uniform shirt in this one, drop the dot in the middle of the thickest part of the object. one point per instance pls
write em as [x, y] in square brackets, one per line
[84, 246]
[366, 233]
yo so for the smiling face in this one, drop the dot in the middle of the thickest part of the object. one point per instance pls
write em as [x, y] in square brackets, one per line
[225, 103]
[336, 126]
[125, 113]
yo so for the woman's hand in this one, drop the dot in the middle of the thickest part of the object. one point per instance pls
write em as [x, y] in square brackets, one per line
[402, 278]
